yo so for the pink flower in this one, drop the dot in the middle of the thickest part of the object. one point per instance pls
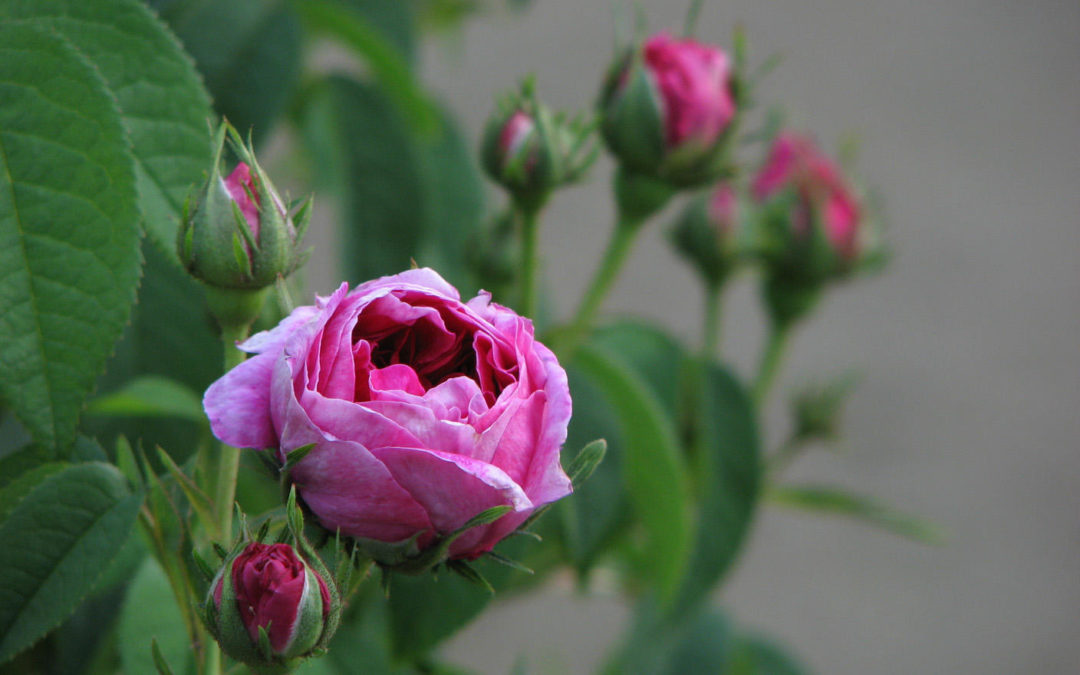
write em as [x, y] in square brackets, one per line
[423, 410]
[796, 162]
[514, 134]
[723, 209]
[269, 587]
[694, 81]
[244, 191]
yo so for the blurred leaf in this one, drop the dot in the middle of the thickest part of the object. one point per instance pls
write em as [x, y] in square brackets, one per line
[150, 396]
[348, 23]
[171, 336]
[248, 52]
[65, 531]
[17, 489]
[753, 655]
[455, 206]
[830, 500]
[69, 232]
[402, 197]
[150, 613]
[653, 355]
[727, 450]
[653, 469]
[425, 610]
[685, 644]
[24, 459]
[162, 102]
[396, 21]
[592, 518]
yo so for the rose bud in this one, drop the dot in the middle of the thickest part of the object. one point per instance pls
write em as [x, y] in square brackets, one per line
[416, 411]
[235, 232]
[813, 222]
[707, 233]
[269, 589]
[667, 108]
[530, 151]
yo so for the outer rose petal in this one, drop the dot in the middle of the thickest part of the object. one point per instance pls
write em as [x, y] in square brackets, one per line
[450, 487]
[238, 404]
[348, 488]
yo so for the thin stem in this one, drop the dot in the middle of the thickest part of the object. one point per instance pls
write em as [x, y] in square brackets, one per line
[783, 456]
[770, 362]
[229, 458]
[710, 343]
[529, 262]
[618, 248]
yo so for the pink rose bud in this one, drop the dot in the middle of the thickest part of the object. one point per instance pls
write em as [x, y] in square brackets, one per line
[666, 109]
[707, 233]
[268, 589]
[811, 219]
[530, 151]
[235, 232]
[420, 411]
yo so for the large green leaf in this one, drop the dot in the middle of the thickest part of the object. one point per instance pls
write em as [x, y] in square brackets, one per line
[653, 468]
[727, 454]
[59, 539]
[653, 355]
[69, 234]
[150, 613]
[162, 102]
[171, 335]
[403, 196]
[377, 32]
[591, 519]
[248, 51]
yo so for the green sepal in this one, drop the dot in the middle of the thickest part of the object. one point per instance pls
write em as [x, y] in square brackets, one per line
[293, 457]
[160, 663]
[467, 572]
[631, 120]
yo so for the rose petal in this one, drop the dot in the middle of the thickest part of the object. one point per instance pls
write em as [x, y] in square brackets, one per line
[451, 488]
[348, 488]
[238, 404]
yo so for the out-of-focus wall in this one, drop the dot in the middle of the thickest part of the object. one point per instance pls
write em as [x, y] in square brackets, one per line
[968, 410]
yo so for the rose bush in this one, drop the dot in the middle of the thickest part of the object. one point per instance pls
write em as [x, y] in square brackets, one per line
[423, 410]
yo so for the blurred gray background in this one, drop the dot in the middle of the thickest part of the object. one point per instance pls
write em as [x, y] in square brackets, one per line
[968, 346]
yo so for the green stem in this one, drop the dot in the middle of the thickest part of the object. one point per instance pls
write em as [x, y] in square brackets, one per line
[783, 456]
[529, 259]
[618, 249]
[710, 343]
[770, 362]
[229, 457]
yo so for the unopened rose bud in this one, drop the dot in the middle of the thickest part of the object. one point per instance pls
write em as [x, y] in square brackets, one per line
[268, 607]
[236, 232]
[707, 233]
[814, 220]
[530, 151]
[666, 109]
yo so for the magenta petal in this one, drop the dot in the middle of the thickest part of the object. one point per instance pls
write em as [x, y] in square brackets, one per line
[348, 421]
[451, 488]
[424, 278]
[396, 377]
[348, 488]
[238, 404]
[427, 430]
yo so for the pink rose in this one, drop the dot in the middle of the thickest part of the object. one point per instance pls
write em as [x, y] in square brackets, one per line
[795, 161]
[514, 133]
[723, 210]
[423, 410]
[666, 109]
[269, 587]
[694, 81]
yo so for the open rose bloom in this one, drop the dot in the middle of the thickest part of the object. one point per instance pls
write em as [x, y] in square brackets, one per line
[423, 410]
